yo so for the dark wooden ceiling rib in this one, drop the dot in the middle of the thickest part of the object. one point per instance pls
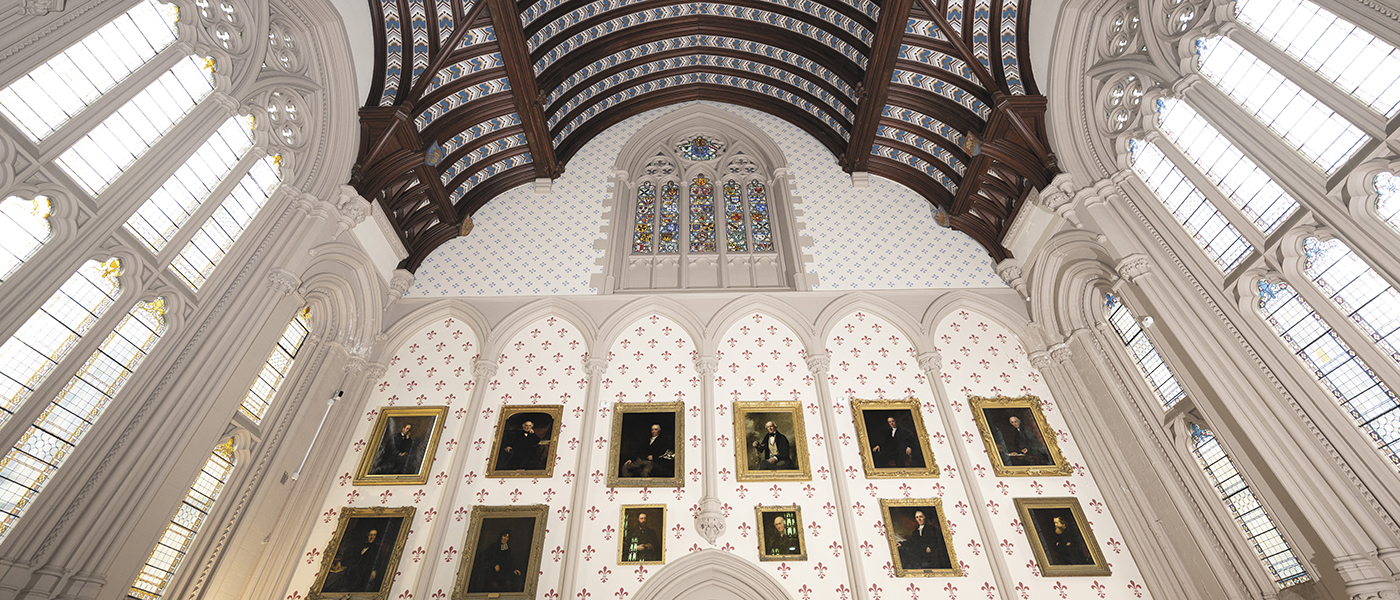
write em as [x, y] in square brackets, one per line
[913, 179]
[777, 9]
[951, 113]
[1023, 47]
[523, 87]
[446, 55]
[477, 167]
[474, 112]
[932, 137]
[960, 42]
[495, 186]
[647, 33]
[468, 81]
[894, 15]
[928, 70]
[655, 75]
[494, 136]
[919, 153]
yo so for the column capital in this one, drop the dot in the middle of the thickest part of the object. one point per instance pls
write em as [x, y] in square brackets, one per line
[595, 367]
[818, 364]
[484, 368]
[931, 363]
[1040, 360]
[1061, 353]
[706, 365]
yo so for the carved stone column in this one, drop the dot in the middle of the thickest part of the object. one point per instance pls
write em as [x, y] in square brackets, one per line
[819, 365]
[594, 368]
[710, 522]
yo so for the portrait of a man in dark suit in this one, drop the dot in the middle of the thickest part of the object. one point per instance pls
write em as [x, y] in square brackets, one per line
[893, 441]
[780, 533]
[642, 534]
[362, 559]
[501, 555]
[919, 538]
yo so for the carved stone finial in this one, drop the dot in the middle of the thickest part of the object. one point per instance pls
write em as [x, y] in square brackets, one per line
[1040, 360]
[931, 363]
[1134, 266]
[399, 284]
[818, 364]
[284, 281]
[1010, 271]
[710, 522]
[484, 368]
[1061, 353]
[595, 367]
[706, 365]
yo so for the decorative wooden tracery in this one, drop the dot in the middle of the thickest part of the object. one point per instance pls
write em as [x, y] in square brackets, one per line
[930, 93]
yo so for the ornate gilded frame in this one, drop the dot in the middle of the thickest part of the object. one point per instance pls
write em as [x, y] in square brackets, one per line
[1100, 566]
[1059, 469]
[930, 469]
[532, 576]
[554, 410]
[391, 568]
[762, 532]
[615, 445]
[941, 517]
[362, 474]
[797, 437]
[622, 534]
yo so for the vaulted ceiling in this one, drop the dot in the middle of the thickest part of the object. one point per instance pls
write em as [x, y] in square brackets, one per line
[474, 97]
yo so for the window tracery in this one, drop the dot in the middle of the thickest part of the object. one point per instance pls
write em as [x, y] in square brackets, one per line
[24, 227]
[1357, 289]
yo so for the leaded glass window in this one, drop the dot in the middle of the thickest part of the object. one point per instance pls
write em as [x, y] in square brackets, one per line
[24, 227]
[758, 212]
[44, 99]
[700, 148]
[41, 450]
[1388, 199]
[1346, 55]
[735, 230]
[1356, 288]
[262, 392]
[218, 234]
[702, 215]
[1254, 521]
[1196, 213]
[1163, 383]
[1353, 384]
[170, 550]
[1303, 121]
[32, 353]
[670, 219]
[646, 218]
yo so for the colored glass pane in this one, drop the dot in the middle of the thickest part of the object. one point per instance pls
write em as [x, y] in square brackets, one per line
[734, 216]
[646, 218]
[1149, 362]
[1357, 289]
[700, 148]
[160, 568]
[670, 226]
[24, 227]
[758, 213]
[702, 215]
[261, 393]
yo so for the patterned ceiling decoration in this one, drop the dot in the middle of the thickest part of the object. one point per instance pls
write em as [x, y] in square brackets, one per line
[472, 98]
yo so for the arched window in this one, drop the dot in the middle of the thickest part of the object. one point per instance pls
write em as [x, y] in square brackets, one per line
[221, 230]
[1159, 377]
[170, 550]
[42, 448]
[24, 227]
[1388, 199]
[1192, 209]
[264, 389]
[1371, 303]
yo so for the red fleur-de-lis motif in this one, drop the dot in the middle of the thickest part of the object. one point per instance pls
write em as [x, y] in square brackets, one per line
[384, 497]
[820, 570]
[481, 496]
[1116, 545]
[641, 572]
[875, 588]
[1135, 588]
[563, 513]
[1024, 590]
[439, 595]
[328, 515]
[460, 513]
[608, 532]
[993, 506]
[866, 547]
[418, 554]
[783, 570]
[835, 548]
[418, 495]
[1036, 485]
[406, 595]
[1062, 589]
[311, 556]
[429, 514]
[612, 494]
[603, 574]
[588, 553]
[352, 496]
[952, 591]
[1016, 523]
[975, 546]
[515, 495]
[597, 475]
[1008, 546]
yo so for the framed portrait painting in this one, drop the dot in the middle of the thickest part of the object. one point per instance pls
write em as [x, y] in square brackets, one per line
[501, 556]
[363, 555]
[893, 441]
[920, 543]
[780, 533]
[648, 448]
[526, 442]
[771, 442]
[1019, 441]
[401, 446]
[1061, 537]
[643, 539]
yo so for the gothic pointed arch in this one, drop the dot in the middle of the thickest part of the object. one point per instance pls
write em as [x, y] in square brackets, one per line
[711, 574]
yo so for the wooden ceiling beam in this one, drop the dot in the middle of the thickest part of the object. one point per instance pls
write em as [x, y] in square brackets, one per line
[446, 51]
[874, 90]
[523, 86]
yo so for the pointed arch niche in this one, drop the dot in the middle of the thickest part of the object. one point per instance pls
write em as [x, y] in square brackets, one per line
[702, 202]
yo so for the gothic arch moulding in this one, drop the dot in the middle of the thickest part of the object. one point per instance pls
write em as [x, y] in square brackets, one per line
[711, 574]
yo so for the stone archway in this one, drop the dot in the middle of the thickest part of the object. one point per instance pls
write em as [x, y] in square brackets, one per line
[711, 575]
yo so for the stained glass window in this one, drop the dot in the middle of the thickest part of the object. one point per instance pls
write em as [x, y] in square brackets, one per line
[45, 339]
[1196, 213]
[700, 148]
[97, 159]
[24, 227]
[1348, 56]
[702, 215]
[44, 99]
[1283, 565]
[646, 218]
[758, 212]
[1164, 384]
[1388, 199]
[670, 227]
[204, 251]
[1243, 182]
[1298, 117]
[261, 393]
[41, 450]
[1357, 289]
[1354, 386]
[175, 542]
[734, 216]
[172, 205]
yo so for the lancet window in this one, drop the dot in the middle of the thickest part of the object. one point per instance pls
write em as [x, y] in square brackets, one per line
[24, 227]
[731, 200]
[175, 541]
[264, 389]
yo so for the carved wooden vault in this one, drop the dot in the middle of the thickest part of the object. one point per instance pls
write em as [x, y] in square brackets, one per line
[467, 103]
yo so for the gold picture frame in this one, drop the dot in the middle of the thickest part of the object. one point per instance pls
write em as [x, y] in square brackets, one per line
[871, 418]
[510, 423]
[478, 574]
[380, 466]
[901, 529]
[1001, 418]
[632, 541]
[368, 530]
[631, 433]
[788, 545]
[750, 420]
[1073, 552]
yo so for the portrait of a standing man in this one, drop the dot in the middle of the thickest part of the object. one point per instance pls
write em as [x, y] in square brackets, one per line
[643, 541]
[893, 441]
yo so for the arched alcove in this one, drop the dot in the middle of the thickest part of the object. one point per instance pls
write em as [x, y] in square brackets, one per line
[711, 575]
